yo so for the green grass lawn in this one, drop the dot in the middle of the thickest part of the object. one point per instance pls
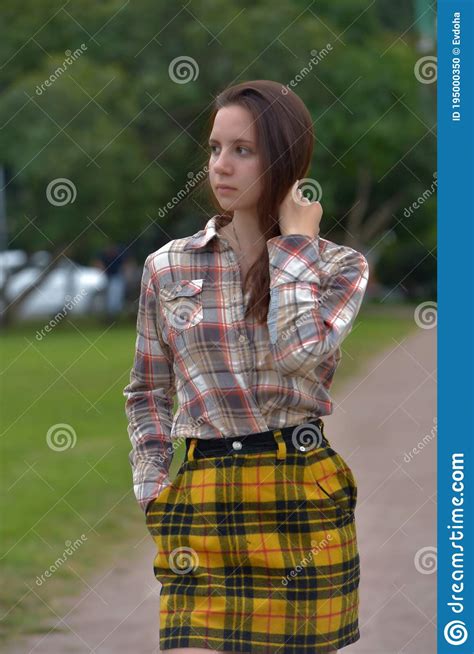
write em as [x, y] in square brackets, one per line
[81, 497]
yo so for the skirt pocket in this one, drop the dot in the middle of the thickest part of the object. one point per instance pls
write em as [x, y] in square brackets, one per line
[167, 520]
[333, 477]
[160, 506]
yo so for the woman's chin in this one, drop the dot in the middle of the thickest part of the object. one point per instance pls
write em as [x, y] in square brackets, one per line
[227, 203]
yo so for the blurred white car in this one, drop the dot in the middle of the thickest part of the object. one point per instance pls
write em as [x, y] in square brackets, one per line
[70, 288]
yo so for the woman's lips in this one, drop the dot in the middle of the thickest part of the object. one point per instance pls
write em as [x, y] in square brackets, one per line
[225, 189]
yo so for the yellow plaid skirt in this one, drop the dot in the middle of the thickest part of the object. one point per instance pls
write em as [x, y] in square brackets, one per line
[257, 553]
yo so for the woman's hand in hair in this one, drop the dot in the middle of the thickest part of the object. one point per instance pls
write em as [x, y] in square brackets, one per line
[298, 215]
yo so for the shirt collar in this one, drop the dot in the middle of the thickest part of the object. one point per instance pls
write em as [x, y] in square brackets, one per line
[203, 236]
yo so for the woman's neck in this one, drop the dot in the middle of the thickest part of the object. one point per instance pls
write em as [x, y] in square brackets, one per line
[243, 231]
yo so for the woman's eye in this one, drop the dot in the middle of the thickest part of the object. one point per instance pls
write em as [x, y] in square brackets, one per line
[239, 147]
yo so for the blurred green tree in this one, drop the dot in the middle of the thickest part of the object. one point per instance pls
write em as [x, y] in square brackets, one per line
[130, 137]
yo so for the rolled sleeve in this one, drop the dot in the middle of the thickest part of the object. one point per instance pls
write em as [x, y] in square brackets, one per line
[314, 300]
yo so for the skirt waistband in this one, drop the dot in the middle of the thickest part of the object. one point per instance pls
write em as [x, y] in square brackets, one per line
[297, 438]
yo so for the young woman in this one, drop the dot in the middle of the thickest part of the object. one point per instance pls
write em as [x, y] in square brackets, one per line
[256, 537]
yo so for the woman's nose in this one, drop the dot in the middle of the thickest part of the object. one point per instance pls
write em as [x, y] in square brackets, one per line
[221, 164]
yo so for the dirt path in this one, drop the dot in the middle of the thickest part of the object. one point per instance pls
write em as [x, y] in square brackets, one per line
[379, 418]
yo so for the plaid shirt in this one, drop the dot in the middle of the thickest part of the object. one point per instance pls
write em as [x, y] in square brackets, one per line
[233, 376]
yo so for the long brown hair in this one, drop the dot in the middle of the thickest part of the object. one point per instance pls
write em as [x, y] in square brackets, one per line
[285, 140]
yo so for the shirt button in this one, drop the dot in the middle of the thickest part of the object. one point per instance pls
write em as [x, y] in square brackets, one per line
[237, 445]
[242, 338]
[178, 288]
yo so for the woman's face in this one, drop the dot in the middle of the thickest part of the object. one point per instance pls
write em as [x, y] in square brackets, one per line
[234, 160]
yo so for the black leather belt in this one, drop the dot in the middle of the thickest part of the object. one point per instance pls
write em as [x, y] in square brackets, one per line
[302, 437]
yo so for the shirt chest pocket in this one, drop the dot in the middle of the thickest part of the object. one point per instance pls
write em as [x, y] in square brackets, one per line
[181, 304]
